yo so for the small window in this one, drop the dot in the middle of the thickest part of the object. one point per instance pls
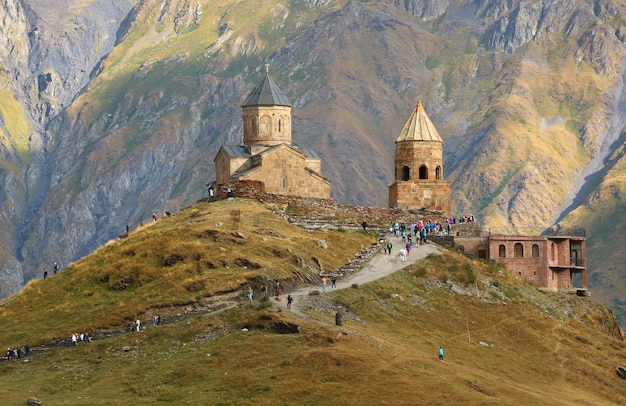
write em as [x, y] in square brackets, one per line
[406, 173]
[438, 173]
[423, 172]
[502, 251]
[552, 252]
[283, 183]
[518, 250]
[535, 251]
[280, 125]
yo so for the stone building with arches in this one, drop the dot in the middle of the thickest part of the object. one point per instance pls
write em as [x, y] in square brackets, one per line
[555, 263]
[267, 153]
[418, 169]
[552, 263]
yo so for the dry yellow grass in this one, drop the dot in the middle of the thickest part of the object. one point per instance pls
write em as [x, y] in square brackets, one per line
[174, 261]
[539, 348]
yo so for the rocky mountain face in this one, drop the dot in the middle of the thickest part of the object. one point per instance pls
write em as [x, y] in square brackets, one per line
[110, 111]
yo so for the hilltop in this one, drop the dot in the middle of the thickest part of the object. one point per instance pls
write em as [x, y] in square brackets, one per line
[505, 342]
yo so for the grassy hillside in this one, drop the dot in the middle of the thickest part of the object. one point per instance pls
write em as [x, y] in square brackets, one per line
[536, 348]
[175, 261]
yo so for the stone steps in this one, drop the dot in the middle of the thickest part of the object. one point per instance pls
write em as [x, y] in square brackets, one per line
[358, 262]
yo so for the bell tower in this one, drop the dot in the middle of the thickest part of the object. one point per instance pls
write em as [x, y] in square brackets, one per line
[418, 166]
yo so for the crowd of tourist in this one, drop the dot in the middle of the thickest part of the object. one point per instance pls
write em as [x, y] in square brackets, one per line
[84, 337]
[17, 352]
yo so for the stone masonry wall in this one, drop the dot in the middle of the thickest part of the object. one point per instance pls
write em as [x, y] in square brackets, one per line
[327, 210]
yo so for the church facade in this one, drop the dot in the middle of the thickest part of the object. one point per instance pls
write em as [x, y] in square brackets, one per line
[419, 182]
[267, 153]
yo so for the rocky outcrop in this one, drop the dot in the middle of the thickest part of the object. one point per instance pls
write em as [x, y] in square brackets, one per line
[11, 277]
[425, 9]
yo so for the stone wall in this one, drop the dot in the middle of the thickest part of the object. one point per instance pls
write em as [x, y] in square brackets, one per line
[327, 210]
[431, 195]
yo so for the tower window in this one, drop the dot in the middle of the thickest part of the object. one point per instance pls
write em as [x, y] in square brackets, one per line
[406, 173]
[280, 125]
[265, 126]
[438, 173]
[423, 172]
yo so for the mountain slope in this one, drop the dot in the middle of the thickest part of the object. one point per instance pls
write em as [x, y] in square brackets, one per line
[511, 345]
[527, 96]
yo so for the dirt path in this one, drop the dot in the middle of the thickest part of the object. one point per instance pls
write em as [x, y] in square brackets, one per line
[379, 266]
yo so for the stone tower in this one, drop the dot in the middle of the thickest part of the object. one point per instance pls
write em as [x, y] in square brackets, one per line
[266, 116]
[419, 180]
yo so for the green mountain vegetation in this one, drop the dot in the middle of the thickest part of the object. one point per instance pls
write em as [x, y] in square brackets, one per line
[507, 343]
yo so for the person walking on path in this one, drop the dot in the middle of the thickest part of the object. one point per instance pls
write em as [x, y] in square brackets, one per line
[408, 248]
[333, 281]
[403, 254]
[277, 289]
[250, 293]
[289, 300]
[440, 354]
[389, 245]
[324, 284]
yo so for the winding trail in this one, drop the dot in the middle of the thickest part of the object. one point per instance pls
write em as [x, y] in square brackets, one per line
[379, 266]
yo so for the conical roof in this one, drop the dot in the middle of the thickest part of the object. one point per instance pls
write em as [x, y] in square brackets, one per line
[419, 127]
[266, 93]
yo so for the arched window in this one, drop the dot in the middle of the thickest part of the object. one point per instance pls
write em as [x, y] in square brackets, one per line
[406, 173]
[253, 120]
[518, 250]
[535, 251]
[283, 184]
[280, 125]
[438, 173]
[502, 251]
[423, 172]
[265, 126]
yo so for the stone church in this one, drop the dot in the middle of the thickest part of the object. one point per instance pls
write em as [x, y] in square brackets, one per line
[267, 154]
[419, 180]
